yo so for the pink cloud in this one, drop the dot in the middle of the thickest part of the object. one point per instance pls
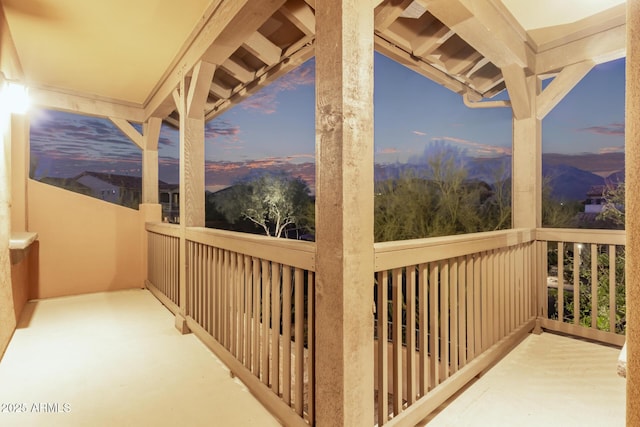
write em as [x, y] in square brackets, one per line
[612, 129]
[266, 101]
[387, 151]
[607, 150]
[417, 132]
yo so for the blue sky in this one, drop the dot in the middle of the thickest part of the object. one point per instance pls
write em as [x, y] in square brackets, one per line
[275, 128]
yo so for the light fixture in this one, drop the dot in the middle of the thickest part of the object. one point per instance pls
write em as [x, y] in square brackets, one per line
[14, 96]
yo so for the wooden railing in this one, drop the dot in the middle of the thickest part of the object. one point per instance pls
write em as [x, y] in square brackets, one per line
[163, 243]
[454, 306]
[446, 309]
[250, 299]
[571, 301]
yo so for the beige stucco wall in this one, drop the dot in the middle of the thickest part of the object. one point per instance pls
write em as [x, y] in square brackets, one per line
[85, 244]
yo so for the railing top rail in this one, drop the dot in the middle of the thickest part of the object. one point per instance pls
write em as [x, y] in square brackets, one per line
[163, 228]
[296, 253]
[390, 255]
[602, 237]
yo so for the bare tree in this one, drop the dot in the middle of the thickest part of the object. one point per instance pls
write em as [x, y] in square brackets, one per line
[272, 201]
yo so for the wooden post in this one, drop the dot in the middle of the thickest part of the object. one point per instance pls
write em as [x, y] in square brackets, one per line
[191, 100]
[344, 218]
[527, 160]
[150, 209]
[150, 136]
[632, 207]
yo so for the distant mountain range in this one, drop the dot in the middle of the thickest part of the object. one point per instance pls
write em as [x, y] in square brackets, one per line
[570, 176]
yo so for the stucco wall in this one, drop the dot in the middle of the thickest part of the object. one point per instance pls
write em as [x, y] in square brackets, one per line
[85, 244]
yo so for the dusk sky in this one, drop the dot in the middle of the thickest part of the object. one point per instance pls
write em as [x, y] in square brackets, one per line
[275, 128]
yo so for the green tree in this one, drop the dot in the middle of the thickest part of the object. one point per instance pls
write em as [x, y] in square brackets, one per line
[557, 213]
[613, 208]
[272, 201]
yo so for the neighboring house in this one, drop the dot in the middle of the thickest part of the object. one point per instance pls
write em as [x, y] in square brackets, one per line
[169, 198]
[119, 189]
[122, 190]
[596, 197]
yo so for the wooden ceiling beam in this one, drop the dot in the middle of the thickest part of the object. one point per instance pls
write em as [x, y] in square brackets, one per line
[602, 47]
[80, 104]
[301, 15]
[458, 66]
[262, 48]
[387, 12]
[427, 42]
[413, 63]
[220, 91]
[479, 24]
[228, 26]
[238, 70]
[270, 75]
[560, 86]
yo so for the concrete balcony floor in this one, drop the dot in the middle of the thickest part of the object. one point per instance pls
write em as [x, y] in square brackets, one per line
[115, 359]
[547, 380]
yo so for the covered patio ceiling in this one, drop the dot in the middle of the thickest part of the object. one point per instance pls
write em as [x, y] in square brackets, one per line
[125, 59]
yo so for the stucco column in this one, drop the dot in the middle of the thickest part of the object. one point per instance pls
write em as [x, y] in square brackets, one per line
[632, 206]
[19, 171]
[527, 164]
[7, 315]
[344, 213]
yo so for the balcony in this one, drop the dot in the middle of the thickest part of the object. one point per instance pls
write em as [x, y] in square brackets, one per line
[113, 359]
[341, 332]
[472, 306]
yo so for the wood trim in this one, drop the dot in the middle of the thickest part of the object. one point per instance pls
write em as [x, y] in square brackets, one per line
[584, 332]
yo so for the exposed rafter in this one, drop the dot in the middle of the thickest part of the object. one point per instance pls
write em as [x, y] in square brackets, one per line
[601, 47]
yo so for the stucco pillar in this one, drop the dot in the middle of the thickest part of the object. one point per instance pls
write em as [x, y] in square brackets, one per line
[632, 206]
[19, 171]
[344, 213]
[527, 164]
[7, 314]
